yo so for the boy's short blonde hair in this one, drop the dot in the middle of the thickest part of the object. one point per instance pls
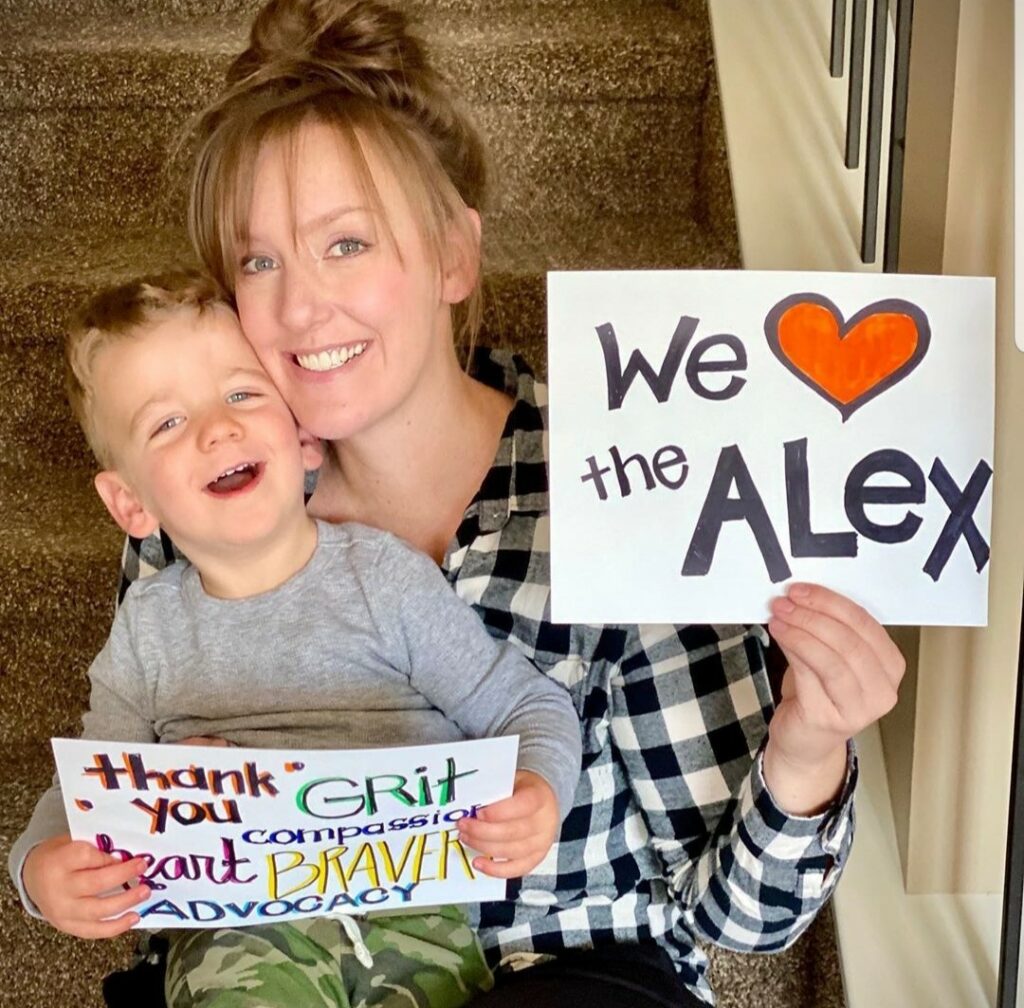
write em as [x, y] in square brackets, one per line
[121, 313]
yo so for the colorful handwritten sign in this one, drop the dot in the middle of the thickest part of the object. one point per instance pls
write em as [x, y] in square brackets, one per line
[247, 836]
[715, 435]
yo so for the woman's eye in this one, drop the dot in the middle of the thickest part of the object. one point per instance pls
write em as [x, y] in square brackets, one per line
[345, 247]
[257, 264]
[237, 397]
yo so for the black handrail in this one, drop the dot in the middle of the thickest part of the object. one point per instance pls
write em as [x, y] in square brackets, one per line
[897, 135]
[1013, 882]
[856, 89]
[876, 101]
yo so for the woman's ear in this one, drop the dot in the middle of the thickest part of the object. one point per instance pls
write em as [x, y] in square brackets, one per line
[124, 504]
[462, 258]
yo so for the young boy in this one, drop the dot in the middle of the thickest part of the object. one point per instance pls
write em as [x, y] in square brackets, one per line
[279, 632]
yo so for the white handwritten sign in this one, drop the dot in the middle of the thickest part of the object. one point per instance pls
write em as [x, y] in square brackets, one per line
[716, 434]
[247, 836]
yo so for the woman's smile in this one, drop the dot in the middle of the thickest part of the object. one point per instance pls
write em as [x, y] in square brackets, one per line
[331, 359]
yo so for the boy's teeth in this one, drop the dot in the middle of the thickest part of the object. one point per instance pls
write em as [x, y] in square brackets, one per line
[327, 360]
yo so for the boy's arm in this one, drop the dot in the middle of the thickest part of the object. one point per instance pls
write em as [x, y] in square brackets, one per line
[486, 687]
[117, 712]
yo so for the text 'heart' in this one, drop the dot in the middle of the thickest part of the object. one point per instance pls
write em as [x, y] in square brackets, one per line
[847, 363]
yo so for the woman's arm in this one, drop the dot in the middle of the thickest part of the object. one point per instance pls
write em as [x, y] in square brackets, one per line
[690, 714]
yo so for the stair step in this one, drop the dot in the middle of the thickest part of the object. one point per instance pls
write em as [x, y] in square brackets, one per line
[38, 293]
[245, 9]
[569, 97]
[616, 154]
[586, 53]
[59, 560]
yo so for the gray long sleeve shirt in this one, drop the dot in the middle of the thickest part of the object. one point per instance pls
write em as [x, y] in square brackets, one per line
[366, 646]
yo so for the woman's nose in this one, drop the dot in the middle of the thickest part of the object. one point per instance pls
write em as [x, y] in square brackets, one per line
[303, 305]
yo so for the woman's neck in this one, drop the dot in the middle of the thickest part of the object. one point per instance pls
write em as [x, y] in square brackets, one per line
[415, 472]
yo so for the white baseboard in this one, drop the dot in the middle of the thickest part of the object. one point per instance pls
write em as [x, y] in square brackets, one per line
[900, 951]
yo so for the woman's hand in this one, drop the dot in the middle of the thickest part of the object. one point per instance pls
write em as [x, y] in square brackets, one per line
[77, 887]
[843, 675]
[515, 833]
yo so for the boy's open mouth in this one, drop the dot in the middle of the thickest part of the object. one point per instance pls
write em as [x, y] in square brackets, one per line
[239, 477]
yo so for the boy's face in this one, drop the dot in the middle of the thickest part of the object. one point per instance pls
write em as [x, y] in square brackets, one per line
[203, 444]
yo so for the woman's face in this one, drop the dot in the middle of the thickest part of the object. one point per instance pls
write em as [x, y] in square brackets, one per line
[346, 323]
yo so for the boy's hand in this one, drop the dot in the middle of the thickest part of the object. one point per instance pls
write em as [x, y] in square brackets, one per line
[517, 831]
[65, 879]
[844, 673]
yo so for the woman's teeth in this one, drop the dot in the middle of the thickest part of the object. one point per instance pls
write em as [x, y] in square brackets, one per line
[327, 360]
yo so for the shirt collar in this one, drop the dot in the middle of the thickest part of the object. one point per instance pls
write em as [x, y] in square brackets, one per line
[517, 478]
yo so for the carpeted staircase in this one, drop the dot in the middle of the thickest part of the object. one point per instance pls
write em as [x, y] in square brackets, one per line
[604, 125]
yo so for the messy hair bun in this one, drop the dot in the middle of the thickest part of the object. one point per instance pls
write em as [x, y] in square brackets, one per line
[356, 65]
[367, 49]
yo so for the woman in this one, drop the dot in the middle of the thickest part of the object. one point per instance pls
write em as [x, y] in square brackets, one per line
[336, 194]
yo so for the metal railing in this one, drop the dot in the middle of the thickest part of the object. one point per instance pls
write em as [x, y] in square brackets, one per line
[876, 72]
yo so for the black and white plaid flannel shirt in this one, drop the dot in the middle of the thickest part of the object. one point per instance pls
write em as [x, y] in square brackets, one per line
[673, 835]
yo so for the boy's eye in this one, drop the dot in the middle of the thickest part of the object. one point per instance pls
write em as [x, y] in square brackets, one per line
[346, 247]
[257, 264]
[237, 397]
[167, 425]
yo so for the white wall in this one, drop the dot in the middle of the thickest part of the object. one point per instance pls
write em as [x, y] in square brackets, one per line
[965, 677]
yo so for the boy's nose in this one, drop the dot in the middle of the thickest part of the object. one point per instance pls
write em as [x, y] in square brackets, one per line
[219, 426]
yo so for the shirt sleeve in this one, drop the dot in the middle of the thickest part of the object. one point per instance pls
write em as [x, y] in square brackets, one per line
[690, 713]
[117, 711]
[487, 687]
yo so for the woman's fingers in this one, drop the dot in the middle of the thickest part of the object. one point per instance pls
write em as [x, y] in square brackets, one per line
[838, 643]
[871, 635]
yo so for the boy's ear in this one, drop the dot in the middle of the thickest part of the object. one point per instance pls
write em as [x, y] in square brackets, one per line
[309, 446]
[124, 505]
[462, 259]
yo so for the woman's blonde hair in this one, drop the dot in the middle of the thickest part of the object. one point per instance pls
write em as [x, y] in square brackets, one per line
[355, 66]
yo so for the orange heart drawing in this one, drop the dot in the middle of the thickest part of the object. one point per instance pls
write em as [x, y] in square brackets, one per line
[847, 363]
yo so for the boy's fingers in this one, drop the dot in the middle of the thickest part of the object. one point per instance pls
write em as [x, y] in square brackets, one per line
[502, 811]
[505, 869]
[507, 850]
[517, 806]
[515, 829]
[96, 909]
[92, 881]
[104, 928]
[79, 855]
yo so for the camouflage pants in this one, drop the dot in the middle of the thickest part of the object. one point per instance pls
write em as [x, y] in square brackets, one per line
[419, 960]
